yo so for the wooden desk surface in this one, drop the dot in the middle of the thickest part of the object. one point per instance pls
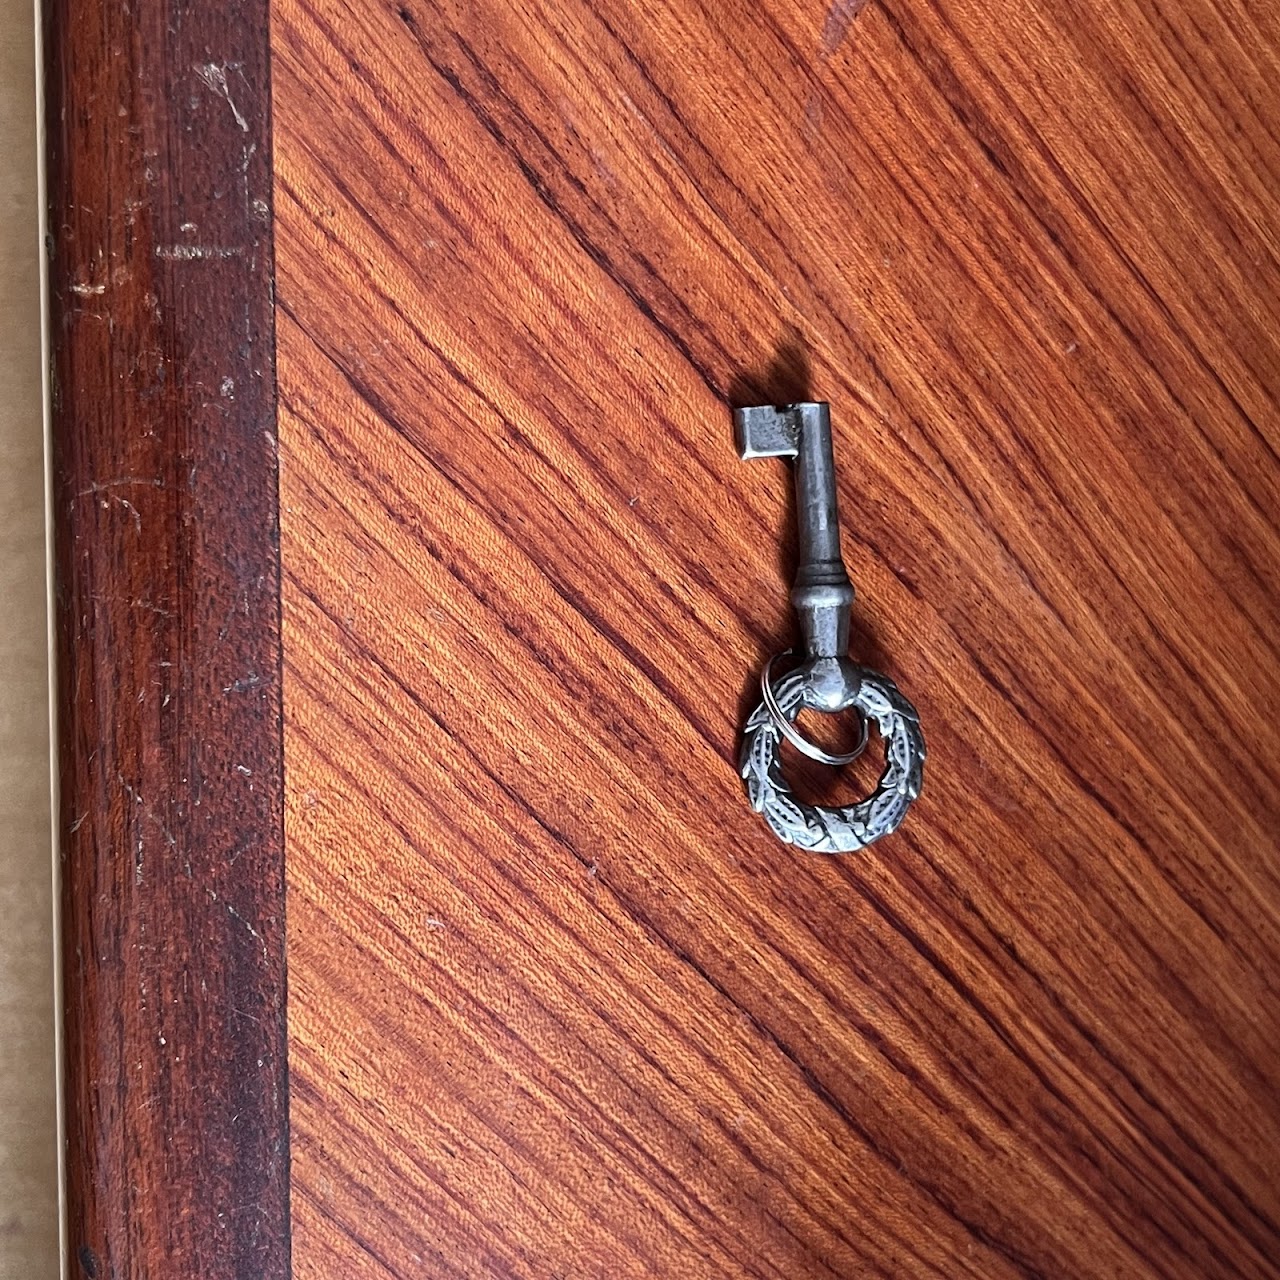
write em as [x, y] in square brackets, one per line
[558, 1004]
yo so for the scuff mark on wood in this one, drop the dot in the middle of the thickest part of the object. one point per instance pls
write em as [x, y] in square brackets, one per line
[196, 252]
[215, 77]
[836, 27]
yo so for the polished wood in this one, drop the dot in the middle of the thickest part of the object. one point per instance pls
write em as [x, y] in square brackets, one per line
[559, 1004]
[165, 507]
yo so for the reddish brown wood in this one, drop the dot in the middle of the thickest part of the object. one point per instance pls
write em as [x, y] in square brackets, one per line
[166, 512]
[560, 1005]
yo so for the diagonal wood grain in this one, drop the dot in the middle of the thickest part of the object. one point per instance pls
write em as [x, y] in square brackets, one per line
[559, 1005]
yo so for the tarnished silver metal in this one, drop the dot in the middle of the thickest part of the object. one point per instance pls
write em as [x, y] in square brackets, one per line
[793, 735]
[826, 678]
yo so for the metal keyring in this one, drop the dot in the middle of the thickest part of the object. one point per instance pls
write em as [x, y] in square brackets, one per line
[835, 828]
[793, 735]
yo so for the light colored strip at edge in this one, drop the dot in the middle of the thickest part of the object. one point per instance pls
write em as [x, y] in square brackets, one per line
[42, 230]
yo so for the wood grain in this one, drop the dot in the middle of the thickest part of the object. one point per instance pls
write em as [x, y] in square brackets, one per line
[560, 1006]
[165, 504]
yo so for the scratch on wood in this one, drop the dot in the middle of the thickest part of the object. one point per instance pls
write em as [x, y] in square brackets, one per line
[133, 511]
[101, 486]
[839, 19]
[196, 252]
[237, 916]
[215, 77]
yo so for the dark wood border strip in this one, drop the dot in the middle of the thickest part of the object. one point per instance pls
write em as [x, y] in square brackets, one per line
[168, 638]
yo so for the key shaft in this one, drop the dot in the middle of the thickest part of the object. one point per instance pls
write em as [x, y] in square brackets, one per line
[822, 594]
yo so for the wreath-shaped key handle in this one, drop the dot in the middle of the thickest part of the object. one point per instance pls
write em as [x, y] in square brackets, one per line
[826, 679]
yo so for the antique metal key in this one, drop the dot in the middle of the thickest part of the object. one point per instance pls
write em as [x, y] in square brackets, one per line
[826, 679]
